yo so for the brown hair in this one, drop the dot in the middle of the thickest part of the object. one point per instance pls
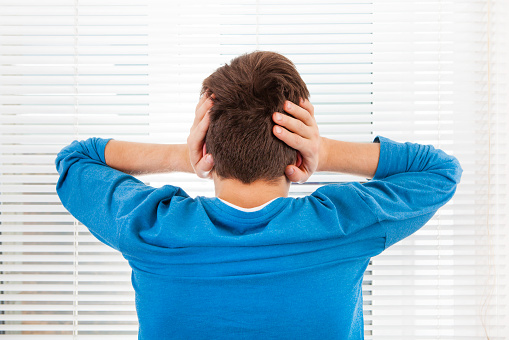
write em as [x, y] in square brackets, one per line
[247, 93]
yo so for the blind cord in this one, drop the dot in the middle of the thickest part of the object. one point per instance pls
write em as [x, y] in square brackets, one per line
[439, 145]
[76, 134]
[492, 275]
[257, 24]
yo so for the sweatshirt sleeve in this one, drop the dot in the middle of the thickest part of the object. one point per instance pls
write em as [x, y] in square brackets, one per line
[411, 183]
[100, 197]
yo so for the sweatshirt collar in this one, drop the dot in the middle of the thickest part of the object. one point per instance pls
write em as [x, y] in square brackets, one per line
[267, 211]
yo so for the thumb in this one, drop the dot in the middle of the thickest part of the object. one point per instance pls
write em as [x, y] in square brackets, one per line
[295, 174]
[204, 166]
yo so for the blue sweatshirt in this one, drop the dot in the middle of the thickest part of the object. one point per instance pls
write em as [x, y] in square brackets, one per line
[202, 269]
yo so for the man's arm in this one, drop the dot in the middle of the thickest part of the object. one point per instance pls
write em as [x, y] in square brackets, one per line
[410, 181]
[110, 202]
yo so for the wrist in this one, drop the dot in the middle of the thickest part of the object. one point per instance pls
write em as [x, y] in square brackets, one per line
[184, 164]
[323, 154]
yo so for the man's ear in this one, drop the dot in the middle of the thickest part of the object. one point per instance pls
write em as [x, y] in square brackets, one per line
[204, 152]
[298, 162]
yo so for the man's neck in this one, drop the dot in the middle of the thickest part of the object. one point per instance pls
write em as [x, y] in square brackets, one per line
[250, 195]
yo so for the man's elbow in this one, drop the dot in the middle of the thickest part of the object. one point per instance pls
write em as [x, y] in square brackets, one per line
[66, 151]
[456, 170]
[447, 166]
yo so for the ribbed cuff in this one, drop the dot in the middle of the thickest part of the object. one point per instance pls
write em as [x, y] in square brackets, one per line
[100, 145]
[383, 161]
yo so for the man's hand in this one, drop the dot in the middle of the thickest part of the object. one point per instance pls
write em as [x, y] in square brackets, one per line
[301, 133]
[201, 162]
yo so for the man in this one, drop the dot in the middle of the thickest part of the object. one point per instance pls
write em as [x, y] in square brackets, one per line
[252, 263]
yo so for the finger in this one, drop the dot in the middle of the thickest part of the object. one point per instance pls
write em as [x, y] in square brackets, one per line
[293, 140]
[299, 113]
[197, 136]
[306, 104]
[204, 166]
[203, 98]
[295, 174]
[202, 127]
[293, 124]
[202, 110]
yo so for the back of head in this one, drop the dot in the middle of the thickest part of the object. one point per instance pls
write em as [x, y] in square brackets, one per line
[247, 92]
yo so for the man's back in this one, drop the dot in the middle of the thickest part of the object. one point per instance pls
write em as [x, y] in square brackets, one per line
[282, 272]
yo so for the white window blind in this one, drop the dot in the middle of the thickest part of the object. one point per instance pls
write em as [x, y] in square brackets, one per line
[431, 72]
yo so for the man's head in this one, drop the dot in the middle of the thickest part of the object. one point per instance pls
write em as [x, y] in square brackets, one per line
[247, 92]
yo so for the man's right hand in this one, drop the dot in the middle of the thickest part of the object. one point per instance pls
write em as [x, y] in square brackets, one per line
[201, 161]
[301, 133]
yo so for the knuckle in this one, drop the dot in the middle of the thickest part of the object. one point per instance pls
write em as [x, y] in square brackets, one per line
[297, 141]
[191, 140]
[301, 126]
[311, 119]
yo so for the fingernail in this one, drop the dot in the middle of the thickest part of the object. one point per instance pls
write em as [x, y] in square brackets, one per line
[290, 171]
[278, 129]
[279, 116]
[208, 159]
[288, 105]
